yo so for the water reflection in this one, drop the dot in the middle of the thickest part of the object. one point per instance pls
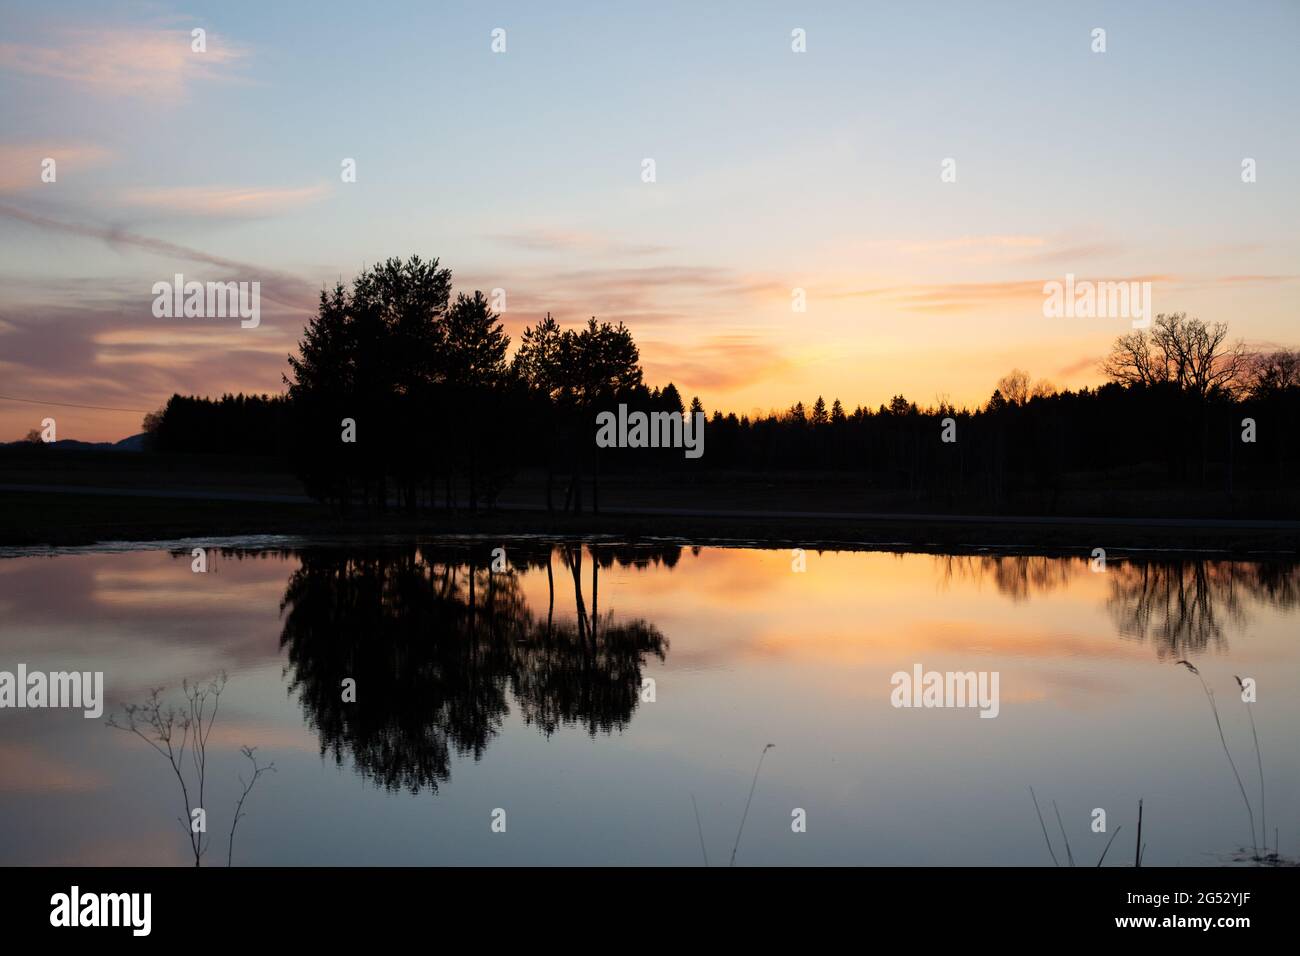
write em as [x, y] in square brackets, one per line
[439, 644]
[442, 647]
[1180, 606]
[536, 666]
[1016, 576]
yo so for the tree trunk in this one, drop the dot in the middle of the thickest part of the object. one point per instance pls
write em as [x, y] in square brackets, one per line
[473, 477]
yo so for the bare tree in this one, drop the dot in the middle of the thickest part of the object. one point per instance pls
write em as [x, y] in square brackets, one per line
[1272, 372]
[1134, 360]
[1014, 386]
[1195, 356]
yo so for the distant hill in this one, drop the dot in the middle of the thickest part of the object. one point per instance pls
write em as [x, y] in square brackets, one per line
[134, 443]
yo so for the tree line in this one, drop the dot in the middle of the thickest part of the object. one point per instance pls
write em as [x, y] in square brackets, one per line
[402, 396]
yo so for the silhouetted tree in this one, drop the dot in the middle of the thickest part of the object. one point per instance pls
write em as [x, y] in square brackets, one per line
[1014, 386]
[424, 381]
[1273, 373]
[602, 366]
[1194, 356]
[474, 367]
[539, 364]
[819, 412]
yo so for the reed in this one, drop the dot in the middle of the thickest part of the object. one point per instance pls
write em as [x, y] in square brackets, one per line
[747, 802]
[1069, 856]
[700, 827]
[1137, 849]
[1055, 861]
[1259, 761]
[1209, 695]
[1108, 843]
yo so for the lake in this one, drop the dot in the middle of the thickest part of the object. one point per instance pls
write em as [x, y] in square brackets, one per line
[463, 701]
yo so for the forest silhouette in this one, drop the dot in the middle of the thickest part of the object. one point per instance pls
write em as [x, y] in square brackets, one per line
[444, 415]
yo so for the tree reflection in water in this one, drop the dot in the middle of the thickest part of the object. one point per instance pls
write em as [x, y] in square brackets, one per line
[1181, 605]
[438, 644]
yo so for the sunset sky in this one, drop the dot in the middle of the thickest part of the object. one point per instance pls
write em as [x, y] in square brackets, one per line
[522, 170]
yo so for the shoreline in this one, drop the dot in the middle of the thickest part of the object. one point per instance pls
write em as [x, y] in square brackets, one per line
[73, 518]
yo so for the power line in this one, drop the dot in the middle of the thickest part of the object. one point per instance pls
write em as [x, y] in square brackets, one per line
[102, 408]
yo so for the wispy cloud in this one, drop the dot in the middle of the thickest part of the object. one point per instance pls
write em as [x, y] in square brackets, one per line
[1069, 256]
[718, 362]
[1244, 280]
[155, 63]
[223, 201]
[1087, 363]
[20, 163]
[645, 295]
[997, 248]
[279, 287]
[965, 296]
[964, 243]
[119, 355]
[561, 241]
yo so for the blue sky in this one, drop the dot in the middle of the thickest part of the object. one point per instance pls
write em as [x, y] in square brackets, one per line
[521, 170]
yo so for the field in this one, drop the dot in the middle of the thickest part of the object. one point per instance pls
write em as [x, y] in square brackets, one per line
[82, 497]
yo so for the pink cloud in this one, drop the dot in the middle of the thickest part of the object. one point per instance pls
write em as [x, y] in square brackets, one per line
[21, 163]
[962, 296]
[279, 287]
[232, 201]
[553, 240]
[154, 63]
[1087, 363]
[719, 362]
[637, 296]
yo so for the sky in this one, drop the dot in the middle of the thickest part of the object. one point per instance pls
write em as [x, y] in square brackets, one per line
[523, 170]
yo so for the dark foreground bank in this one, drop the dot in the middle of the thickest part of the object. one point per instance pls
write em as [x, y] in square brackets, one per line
[67, 516]
[58, 498]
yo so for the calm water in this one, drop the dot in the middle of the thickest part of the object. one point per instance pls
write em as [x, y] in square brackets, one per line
[522, 690]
